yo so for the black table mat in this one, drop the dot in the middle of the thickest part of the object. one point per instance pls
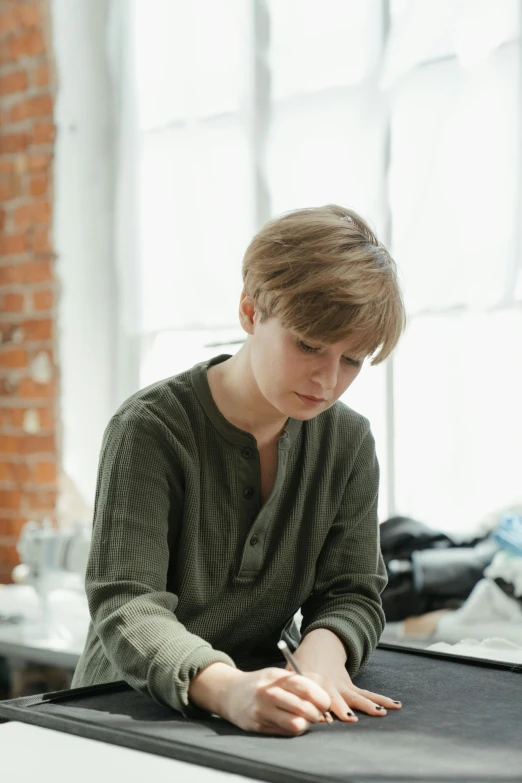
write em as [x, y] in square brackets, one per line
[461, 721]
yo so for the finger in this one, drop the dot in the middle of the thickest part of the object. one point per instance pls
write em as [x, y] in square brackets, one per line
[272, 729]
[342, 710]
[307, 690]
[358, 702]
[379, 699]
[283, 722]
[283, 699]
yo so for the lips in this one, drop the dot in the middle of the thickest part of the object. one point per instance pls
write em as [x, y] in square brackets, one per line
[316, 399]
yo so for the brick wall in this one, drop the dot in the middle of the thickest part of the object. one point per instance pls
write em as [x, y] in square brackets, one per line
[28, 288]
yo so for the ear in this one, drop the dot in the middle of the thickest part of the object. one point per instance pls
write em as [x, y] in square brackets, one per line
[247, 313]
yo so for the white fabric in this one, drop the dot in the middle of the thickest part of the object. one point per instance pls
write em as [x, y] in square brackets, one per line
[488, 612]
[494, 649]
[509, 568]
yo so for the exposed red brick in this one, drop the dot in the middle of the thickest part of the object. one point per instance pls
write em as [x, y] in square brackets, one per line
[47, 418]
[11, 273]
[8, 188]
[43, 132]
[34, 212]
[42, 75]
[40, 161]
[11, 303]
[29, 389]
[12, 244]
[38, 184]
[38, 329]
[26, 44]
[30, 14]
[8, 387]
[10, 499]
[9, 444]
[14, 416]
[11, 527]
[13, 82]
[41, 242]
[43, 300]
[10, 556]
[36, 106]
[38, 444]
[45, 473]
[43, 500]
[27, 134]
[13, 142]
[9, 20]
[39, 271]
[13, 358]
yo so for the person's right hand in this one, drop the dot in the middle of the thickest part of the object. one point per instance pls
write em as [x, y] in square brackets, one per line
[274, 701]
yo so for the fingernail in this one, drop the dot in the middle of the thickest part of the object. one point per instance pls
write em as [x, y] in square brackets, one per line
[379, 708]
[350, 714]
[396, 702]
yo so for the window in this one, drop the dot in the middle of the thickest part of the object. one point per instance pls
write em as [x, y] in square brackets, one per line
[404, 111]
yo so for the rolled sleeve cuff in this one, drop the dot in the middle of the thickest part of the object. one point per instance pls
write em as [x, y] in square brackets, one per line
[170, 683]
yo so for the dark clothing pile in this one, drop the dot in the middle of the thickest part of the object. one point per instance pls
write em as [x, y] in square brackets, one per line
[427, 569]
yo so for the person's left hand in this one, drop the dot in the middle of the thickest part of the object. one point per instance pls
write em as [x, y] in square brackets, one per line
[346, 696]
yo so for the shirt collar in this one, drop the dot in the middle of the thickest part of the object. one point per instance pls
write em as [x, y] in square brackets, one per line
[235, 435]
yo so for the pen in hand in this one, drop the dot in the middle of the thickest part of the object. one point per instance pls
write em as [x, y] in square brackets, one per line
[295, 666]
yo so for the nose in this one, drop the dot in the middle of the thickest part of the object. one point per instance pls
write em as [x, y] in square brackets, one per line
[325, 376]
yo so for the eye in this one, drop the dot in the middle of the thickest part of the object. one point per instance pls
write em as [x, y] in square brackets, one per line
[352, 362]
[306, 348]
[311, 350]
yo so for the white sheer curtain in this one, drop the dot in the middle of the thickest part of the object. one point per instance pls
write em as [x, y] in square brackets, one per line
[408, 112]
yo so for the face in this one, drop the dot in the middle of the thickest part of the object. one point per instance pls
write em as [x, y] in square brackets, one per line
[289, 369]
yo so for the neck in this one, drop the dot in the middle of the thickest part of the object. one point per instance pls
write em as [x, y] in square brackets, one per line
[239, 399]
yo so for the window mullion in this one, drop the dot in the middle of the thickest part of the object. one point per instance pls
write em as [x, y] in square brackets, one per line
[386, 233]
[259, 114]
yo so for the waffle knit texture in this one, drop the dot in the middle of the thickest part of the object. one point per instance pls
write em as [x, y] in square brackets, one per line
[187, 567]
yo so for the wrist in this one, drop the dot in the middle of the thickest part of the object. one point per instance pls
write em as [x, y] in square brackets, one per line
[321, 648]
[210, 687]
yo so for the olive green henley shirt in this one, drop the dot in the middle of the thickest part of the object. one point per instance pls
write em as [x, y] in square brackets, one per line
[187, 567]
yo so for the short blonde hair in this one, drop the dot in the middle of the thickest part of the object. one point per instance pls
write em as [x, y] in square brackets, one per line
[325, 274]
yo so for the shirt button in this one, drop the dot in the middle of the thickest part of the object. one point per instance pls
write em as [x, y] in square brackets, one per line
[248, 492]
[254, 540]
[247, 452]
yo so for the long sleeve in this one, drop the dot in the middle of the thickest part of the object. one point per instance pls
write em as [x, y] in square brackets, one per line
[126, 577]
[351, 574]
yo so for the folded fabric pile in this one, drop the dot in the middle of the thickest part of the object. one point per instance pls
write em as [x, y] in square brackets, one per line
[493, 610]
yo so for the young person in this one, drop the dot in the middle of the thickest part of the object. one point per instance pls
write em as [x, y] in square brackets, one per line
[238, 491]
